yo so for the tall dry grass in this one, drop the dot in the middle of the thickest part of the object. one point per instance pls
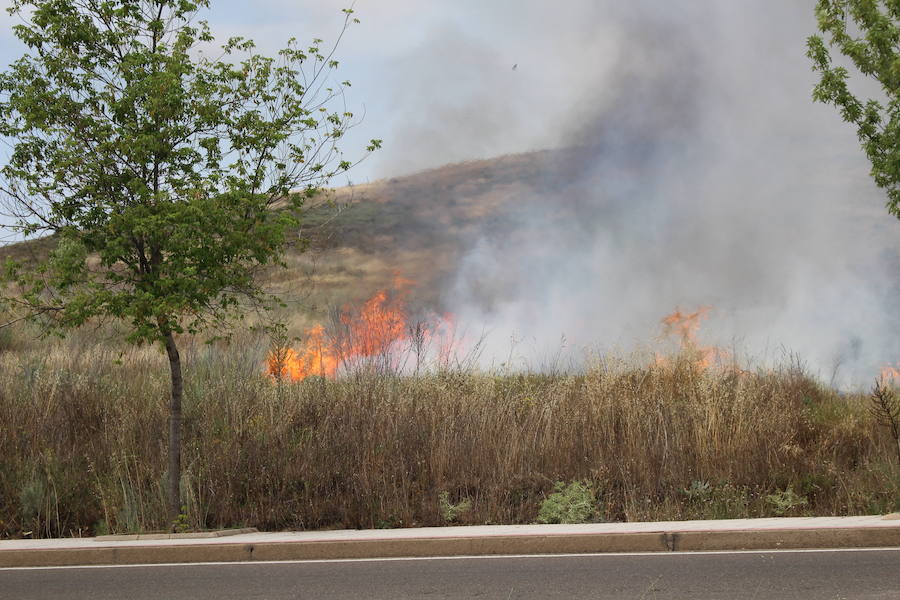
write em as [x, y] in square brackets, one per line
[82, 443]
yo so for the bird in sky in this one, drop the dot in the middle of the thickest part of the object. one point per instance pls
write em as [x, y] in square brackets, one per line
[515, 66]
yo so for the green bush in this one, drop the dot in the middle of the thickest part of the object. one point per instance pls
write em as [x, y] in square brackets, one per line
[699, 491]
[452, 512]
[786, 501]
[573, 503]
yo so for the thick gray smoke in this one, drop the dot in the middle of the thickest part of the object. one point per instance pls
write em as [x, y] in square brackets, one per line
[701, 174]
[693, 170]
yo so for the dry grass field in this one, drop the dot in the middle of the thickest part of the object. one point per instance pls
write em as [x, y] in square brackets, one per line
[82, 443]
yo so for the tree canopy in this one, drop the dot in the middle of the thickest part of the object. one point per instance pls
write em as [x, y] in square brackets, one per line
[163, 164]
[867, 33]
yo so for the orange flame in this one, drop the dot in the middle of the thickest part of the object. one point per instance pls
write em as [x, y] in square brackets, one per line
[370, 333]
[889, 373]
[684, 326]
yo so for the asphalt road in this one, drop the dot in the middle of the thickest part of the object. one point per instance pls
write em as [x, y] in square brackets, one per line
[818, 575]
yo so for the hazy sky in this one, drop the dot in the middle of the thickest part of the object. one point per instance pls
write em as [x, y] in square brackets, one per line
[435, 79]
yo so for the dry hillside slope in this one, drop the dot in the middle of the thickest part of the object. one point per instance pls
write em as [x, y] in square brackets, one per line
[416, 226]
[421, 226]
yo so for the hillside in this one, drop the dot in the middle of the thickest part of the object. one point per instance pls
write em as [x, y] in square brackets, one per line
[599, 243]
[417, 226]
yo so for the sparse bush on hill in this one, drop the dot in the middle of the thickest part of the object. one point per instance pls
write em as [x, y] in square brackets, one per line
[81, 443]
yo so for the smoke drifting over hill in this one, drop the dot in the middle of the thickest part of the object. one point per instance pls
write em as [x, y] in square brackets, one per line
[699, 173]
[690, 168]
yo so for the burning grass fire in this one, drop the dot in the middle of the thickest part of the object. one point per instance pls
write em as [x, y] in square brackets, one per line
[379, 335]
[684, 326]
[891, 373]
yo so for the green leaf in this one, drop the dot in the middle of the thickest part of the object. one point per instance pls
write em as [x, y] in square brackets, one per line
[867, 32]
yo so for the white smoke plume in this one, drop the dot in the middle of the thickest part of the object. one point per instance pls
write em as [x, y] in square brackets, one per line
[700, 173]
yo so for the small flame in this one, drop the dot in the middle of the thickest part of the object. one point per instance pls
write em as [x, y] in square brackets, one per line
[684, 326]
[374, 331]
[889, 373]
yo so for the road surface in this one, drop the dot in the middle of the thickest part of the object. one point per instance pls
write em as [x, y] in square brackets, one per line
[806, 575]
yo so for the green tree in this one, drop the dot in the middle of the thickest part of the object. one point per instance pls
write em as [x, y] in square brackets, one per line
[867, 33]
[168, 177]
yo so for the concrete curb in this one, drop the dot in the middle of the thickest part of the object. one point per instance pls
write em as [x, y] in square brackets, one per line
[128, 537]
[462, 545]
[786, 539]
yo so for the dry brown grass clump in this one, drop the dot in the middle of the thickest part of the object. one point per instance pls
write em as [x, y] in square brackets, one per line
[82, 444]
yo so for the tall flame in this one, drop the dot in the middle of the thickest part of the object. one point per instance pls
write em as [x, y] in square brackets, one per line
[684, 326]
[371, 333]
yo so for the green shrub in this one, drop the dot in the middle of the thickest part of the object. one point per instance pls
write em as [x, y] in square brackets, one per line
[451, 512]
[784, 502]
[182, 523]
[573, 503]
[699, 491]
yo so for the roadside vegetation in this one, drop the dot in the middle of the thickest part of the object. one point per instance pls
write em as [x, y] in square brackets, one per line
[83, 420]
[82, 443]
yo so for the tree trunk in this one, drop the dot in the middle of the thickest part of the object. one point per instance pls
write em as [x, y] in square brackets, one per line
[174, 429]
